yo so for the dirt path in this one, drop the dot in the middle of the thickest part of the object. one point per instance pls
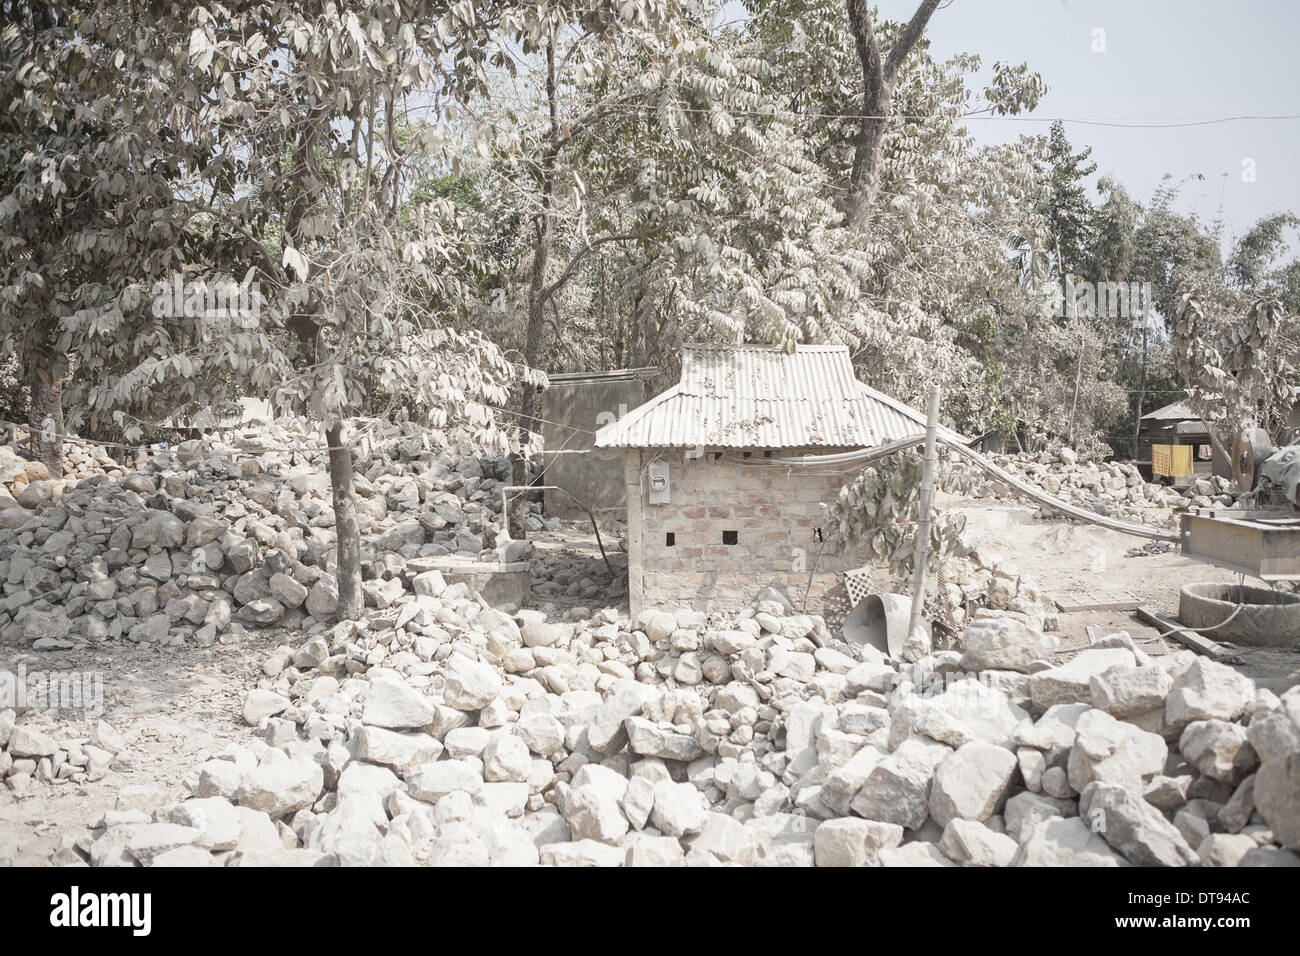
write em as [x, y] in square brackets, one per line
[170, 706]
[1067, 557]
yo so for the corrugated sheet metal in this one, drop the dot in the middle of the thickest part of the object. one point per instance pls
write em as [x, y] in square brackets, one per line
[750, 396]
[1171, 412]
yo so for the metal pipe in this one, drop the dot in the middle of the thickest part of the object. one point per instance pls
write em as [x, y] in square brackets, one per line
[1083, 514]
[923, 523]
[867, 455]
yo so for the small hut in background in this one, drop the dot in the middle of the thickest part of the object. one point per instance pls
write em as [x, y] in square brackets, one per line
[1173, 442]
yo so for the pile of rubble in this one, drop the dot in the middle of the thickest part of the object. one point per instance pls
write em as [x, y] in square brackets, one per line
[1115, 489]
[212, 535]
[450, 733]
[30, 753]
[28, 484]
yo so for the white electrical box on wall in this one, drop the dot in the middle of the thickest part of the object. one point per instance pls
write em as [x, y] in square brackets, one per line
[657, 475]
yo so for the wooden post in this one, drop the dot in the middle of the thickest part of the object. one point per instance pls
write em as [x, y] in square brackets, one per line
[923, 524]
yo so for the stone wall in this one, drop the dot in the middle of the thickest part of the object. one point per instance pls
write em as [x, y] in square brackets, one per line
[774, 511]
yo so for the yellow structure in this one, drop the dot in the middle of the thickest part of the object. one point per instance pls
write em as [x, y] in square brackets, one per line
[1172, 461]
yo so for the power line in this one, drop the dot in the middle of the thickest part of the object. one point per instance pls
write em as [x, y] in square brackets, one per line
[1123, 122]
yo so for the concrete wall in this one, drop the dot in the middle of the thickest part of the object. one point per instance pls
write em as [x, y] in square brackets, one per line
[773, 510]
[568, 456]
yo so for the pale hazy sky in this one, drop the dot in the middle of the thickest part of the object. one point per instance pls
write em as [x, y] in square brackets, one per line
[1164, 61]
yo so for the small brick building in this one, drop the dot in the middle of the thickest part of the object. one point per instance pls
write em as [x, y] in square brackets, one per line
[716, 512]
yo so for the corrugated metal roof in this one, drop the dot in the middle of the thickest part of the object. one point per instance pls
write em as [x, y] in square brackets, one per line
[752, 396]
[1171, 412]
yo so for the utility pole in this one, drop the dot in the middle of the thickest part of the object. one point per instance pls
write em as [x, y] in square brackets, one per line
[922, 541]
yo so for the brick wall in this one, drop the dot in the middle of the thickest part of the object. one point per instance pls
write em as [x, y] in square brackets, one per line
[773, 511]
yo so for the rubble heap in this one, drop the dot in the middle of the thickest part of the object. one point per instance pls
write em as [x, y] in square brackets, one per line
[28, 484]
[1115, 489]
[214, 535]
[444, 732]
[28, 753]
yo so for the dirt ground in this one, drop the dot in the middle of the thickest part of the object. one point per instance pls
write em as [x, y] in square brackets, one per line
[1068, 559]
[172, 705]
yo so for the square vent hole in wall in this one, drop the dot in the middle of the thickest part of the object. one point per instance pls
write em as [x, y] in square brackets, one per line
[670, 539]
[728, 537]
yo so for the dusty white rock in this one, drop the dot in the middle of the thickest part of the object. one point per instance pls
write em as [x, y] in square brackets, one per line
[280, 784]
[150, 840]
[920, 715]
[323, 598]
[349, 834]
[1113, 751]
[1207, 690]
[972, 783]
[395, 749]
[26, 741]
[541, 733]
[726, 839]
[1071, 682]
[1273, 735]
[1133, 827]
[841, 784]
[506, 758]
[470, 685]
[581, 853]
[536, 631]
[679, 809]
[218, 778]
[650, 740]
[655, 851]
[1218, 749]
[606, 733]
[851, 842]
[216, 819]
[897, 789]
[1068, 842]
[261, 703]
[1129, 691]
[368, 785]
[638, 801]
[1224, 849]
[433, 781]
[1003, 643]
[918, 853]
[1024, 811]
[594, 814]
[971, 843]
[428, 583]
[1277, 797]
[396, 705]
[287, 591]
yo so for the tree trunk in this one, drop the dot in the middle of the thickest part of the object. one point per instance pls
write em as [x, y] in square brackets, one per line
[876, 98]
[1078, 381]
[878, 78]
[530, 399]
[46, 414]
[346, 528]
